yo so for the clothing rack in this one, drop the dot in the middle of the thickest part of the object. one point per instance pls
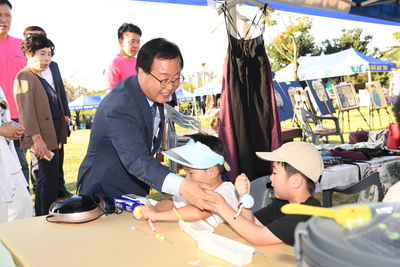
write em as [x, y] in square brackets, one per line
[232, 3]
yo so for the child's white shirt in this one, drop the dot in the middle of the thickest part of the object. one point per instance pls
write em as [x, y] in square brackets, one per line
[226, 189]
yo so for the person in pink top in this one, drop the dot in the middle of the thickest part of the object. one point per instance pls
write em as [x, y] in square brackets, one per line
[123, 65]
[12, 60]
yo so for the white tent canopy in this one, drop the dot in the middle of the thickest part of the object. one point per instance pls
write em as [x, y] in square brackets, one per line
[211, 88]
[346, 62]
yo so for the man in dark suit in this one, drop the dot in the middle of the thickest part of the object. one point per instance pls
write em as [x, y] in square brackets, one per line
[126, 133]
[53, 77]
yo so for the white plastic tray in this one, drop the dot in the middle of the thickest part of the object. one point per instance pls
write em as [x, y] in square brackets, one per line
[226, 249]
[197, 228]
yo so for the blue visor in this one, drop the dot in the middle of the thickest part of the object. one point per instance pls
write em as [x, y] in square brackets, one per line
[195, 155]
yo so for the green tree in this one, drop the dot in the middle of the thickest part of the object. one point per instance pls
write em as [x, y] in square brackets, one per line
[188, 86]
[73, 92]
[393, 52]
[350, 39]
[359, 80]
[295, 41]
[353, 39]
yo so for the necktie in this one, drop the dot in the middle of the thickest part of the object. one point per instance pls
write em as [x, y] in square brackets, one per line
[153, 110]
[154, 114]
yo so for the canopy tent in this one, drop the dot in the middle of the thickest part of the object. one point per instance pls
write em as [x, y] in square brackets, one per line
[346, 62]
[211, 88]
[85, 102]
[372, 11]
[184, 96]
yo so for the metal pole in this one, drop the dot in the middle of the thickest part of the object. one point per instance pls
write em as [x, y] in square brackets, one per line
[204, 74]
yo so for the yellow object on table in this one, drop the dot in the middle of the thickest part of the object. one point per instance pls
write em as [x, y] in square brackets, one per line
[349, 217]
[137, 212]
[112, 241]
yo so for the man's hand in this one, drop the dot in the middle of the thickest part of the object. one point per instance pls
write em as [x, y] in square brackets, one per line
[242, 185]
[194, 192]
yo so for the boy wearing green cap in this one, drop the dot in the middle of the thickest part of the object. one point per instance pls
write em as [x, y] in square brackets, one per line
[203, 159]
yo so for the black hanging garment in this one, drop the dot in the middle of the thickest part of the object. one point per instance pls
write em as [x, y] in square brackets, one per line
[249, 118]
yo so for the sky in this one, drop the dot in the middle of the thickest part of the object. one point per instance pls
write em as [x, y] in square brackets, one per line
[85, 32]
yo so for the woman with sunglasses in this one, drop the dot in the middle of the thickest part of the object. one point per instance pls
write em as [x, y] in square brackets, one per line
[15, 201]
[42, 114]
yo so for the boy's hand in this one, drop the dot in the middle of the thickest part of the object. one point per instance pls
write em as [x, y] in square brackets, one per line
[217, 196]
[242, 185]
[137, 213]
[149, 212]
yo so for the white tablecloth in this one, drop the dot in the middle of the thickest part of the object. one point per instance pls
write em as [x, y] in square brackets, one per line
[347, 174]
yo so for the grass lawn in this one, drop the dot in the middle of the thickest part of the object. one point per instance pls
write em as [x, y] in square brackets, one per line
[76, 148]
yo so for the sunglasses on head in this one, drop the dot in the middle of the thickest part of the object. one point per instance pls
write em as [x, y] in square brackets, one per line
[3, 105]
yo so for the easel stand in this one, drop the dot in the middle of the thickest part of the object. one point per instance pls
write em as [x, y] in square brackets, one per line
[371, 116]
[348, 118]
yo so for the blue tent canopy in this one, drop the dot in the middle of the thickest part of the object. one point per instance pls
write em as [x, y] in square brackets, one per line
[346, 62]
[85, 102]
[184, 96]
[372, 11]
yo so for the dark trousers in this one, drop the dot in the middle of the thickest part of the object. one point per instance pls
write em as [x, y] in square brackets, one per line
[35, 171]
[47, 184]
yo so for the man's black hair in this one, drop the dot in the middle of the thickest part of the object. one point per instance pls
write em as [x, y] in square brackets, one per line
[159, 48]
[6, 2]
[128, 27]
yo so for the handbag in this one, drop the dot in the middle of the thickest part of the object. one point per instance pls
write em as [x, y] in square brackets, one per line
[351, 154]
[374, 137]
[392, 136]
[358, 136]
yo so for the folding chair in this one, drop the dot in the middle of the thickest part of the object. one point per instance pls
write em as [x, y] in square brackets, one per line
[172, 116]
[309, 121]
[372, 179]
[262, 194]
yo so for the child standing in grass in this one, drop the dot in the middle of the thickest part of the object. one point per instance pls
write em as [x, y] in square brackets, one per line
[203, 159]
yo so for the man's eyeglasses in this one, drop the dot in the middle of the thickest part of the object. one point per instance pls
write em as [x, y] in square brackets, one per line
[175, 83]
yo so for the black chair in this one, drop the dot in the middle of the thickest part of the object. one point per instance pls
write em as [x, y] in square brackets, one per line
[372, 179]
[262, 194]
[309, 121]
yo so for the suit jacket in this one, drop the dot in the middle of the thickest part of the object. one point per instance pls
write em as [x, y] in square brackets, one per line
[119, 159]
[60, 89]
[34, 111]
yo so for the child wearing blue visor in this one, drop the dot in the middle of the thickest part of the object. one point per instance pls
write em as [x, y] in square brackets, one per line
[203, 159]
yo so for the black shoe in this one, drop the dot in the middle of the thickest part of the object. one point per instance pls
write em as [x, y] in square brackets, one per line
[64, 193]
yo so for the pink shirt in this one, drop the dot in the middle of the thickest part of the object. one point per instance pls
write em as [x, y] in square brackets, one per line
[118, 69]
[12, 60]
